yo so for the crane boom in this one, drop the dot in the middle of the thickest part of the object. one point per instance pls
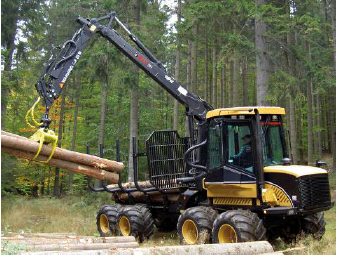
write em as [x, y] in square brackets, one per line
[52, 81]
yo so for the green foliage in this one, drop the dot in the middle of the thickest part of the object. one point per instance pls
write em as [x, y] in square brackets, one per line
[10, 248]
[229, 25]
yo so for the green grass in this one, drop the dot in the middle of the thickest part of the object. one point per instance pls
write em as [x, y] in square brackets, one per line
[66, 215]
[78, 215]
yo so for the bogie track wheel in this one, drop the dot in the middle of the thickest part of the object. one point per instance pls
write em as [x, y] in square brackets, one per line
[136, 220]
[195, 225]
[106, 219]
[314, 225]
[236, 226]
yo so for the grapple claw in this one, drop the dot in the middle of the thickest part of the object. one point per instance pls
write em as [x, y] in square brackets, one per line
[45, 136]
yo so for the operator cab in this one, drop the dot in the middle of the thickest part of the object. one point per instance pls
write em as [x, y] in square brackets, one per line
[232, 149]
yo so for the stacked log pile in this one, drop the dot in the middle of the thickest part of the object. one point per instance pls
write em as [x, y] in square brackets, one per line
[155, 196]
[63, 244]
[50, 243]
[89, 165]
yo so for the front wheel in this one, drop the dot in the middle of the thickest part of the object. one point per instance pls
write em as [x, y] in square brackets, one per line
[236, 226]
[314, 225]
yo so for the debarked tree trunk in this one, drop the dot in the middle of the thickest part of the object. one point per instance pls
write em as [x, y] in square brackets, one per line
[23, 144]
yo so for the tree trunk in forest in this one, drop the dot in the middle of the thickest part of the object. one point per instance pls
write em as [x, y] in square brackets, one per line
[214, 77]
[332, 118]
[236, 99]
[231, 83]
[188, 82]
[223, 86]
[7, 72]
[134, 110]
[244, 81]
[333, 95]
[310, 112]
[105, 89]
[206, 98]
[194, 48]
[310, 123]
[293, 131]
[57, 190]
[73, 140]
[8, 39]
[292, 71]
[333, 18]
[262, 61]
[177, 68]
[318, 132]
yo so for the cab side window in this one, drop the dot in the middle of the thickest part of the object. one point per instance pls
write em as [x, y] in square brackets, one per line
[239, 138]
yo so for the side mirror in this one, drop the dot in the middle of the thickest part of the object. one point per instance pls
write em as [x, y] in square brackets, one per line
[320, 163]
[217, 130]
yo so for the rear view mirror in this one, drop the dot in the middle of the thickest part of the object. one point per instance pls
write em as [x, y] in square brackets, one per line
[217, 130]
[320, 163]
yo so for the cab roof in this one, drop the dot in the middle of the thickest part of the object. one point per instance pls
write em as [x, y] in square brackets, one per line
[245, 111]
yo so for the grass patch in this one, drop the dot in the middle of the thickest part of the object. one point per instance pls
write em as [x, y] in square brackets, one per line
[66, 215]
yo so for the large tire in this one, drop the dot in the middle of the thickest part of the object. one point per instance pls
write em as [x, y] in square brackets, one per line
[107, 218]
[195, 225]
[137, 221]
[314, 225]
[236, 226]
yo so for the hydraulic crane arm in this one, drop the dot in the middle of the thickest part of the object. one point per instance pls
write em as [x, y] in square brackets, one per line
[52, 81]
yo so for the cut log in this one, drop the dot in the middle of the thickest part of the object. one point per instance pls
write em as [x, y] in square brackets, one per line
[45, 235]
[155, 196]
[67, 240]
[249, 248]
[10, 140]
[93, 246]
[75, 167]
[74, 252]
[142, 184]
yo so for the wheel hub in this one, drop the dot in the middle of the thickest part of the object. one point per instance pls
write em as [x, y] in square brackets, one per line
[190, 232]
[124, 226]
[104, 223]
[227, 234]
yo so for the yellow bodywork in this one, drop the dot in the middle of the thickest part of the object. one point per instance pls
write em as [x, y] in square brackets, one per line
[245, 111]
[294, 170]
[233, 190]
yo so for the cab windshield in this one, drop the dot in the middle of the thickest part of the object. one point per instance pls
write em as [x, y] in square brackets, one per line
[273, 147]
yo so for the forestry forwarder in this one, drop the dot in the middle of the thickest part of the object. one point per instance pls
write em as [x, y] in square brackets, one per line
[230, 181]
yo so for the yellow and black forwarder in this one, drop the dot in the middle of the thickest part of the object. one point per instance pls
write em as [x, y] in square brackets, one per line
[230, 181]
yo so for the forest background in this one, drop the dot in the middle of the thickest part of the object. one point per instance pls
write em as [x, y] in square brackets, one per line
[231, 53]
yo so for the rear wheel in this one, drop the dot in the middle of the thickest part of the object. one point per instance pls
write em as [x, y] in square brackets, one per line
[238, 226]
[195, 225]
[106, 219]
[136, 220]
[314, 225]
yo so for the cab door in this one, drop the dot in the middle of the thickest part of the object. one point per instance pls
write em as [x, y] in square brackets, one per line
[231, 160]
